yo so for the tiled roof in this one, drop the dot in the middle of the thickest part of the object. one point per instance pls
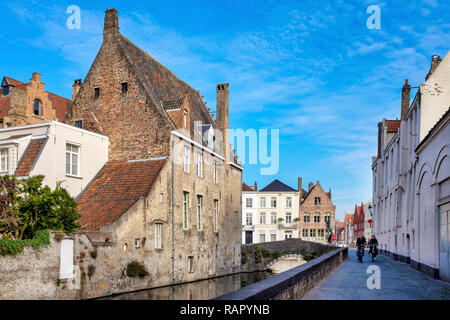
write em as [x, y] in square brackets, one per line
[4, 104]
[392, 126]
[115, 189]
[14, 82]
[275, 186]
[161, 84]
[246, 187]
[30, 156]
[60, 104]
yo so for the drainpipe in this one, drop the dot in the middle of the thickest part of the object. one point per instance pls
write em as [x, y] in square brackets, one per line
[173, 214]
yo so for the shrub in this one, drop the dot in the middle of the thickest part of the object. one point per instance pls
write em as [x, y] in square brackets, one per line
[13, 247]
[135, 269]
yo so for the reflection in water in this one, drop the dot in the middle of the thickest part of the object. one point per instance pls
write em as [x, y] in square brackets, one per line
[199, 290]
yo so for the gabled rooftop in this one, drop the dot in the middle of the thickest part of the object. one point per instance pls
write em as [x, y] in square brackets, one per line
[117, 186]
[277, 186]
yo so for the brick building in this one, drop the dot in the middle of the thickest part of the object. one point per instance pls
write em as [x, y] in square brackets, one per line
[28, 103]
[170, 195]
[317, 213]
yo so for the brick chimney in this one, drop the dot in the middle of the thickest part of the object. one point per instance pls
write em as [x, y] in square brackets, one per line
[435, 60]
[36, 77]
[406, 94]
[299, 185]
[222, 122]
[310, 186]
[111, 26]
[255, 186]
[76, 87]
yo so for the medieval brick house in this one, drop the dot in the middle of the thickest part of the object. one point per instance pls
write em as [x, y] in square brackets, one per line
[170, 196]
[28, 103]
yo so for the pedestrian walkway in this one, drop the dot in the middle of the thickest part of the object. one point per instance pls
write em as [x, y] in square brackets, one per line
[398, 282]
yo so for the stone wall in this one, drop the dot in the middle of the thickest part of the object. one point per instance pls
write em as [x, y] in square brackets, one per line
[292, 284]
[251, 261]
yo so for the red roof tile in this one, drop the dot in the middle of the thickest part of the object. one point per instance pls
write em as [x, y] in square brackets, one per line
[29, 157]
[393, 126]
[115, 189]
[60, 104]
[246, 187]
[14, 82]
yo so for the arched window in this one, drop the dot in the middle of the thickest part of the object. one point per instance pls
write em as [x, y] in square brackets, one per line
[37, 107]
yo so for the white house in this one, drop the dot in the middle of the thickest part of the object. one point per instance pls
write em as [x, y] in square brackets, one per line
[59, 151]
[411, 176]
[270, 214]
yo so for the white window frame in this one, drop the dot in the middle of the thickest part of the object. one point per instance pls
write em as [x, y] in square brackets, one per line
[249, 218]
[185, 210]
[289, 215]
[71, 153]
[288, 202]
[272, 236]
[199, 212]
[4, 160]
[262, 237]
[199, 164]
[249, 203]
[262, 218]
[262, 202]
[186, 159]
[273, 218]
[273, 202]
[158, 235]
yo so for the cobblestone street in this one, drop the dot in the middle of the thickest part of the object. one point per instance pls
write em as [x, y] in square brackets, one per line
[398, 282]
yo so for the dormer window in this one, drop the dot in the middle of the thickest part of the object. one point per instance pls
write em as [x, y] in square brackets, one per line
[37, 107]
[96, 93]
[5, 90]
[124, 87]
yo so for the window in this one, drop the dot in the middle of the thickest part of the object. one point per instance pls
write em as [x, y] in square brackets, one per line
[288, 202]
[215, 214]
[248, 219]
[125, 247]
[96, 93]
[79, 124]
[37, 107]
[185, 120]
[305, 233]
[262, 202]
[262, 218]
[321, 233]
[317, 217]
[199, 164]
[124, 87]
[317, 201]
[273, 202]
[273, 237]
[137, 243]
[288, 235]
[191, 264]
[186, 159]
[161, 197]
[4, 155]
[273, 218]
[185, 210]
[216, 176]
[199, 213]
[306, 217]
[158, 235]
[5, 90]
[262, 237]
[288, 217]
[249, 202]
[72, 160]
[312, 233]
[327, 217]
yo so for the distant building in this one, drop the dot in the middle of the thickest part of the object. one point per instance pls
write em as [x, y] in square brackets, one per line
[411, 176]
[61, 152]
[340, 230]
[28, 103]
[317, 214]
[270, 214]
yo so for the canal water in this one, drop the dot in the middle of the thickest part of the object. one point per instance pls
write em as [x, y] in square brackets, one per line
[198, 290]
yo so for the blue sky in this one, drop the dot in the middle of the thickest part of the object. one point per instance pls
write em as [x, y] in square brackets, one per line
[309, 68]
